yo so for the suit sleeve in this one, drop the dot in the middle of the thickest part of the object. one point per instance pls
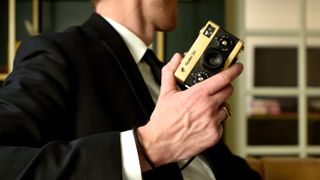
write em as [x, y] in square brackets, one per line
[35, 106]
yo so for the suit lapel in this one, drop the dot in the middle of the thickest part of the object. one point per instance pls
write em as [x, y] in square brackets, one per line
[112, 42]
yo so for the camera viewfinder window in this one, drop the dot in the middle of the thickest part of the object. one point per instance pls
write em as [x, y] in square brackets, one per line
[209, 31]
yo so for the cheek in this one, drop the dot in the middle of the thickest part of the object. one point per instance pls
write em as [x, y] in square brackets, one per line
[167, 22]
[165, 15]
[170, 14]
[171, 8]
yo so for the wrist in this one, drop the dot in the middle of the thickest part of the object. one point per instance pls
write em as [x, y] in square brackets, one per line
[146, 162]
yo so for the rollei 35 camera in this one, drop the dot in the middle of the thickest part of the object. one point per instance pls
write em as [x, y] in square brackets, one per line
[213, 51]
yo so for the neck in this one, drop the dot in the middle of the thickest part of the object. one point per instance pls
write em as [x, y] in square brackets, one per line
[127, 13]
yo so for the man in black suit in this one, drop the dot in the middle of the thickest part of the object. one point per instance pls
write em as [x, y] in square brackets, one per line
[68, 107]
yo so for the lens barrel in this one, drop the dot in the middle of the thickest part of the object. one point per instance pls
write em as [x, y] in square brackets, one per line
[212, 59]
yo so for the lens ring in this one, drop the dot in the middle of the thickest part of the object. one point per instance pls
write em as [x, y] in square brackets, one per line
[212, 59]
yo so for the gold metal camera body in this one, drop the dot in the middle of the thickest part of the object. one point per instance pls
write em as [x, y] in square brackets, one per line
[214, 50]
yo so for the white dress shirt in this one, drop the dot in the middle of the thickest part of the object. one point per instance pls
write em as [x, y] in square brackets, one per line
[198, 168]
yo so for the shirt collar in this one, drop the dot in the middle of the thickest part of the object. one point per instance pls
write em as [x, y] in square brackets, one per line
[135, 45]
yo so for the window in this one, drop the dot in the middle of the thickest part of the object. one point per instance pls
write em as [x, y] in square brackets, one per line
[280, 88]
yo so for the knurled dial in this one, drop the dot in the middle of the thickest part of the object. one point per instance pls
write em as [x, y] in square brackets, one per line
[225, 43]
[199, 76]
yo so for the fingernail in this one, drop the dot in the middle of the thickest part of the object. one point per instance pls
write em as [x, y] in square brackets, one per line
[175, 57]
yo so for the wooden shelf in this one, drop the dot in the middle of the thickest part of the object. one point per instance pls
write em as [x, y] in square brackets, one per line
[285, 116]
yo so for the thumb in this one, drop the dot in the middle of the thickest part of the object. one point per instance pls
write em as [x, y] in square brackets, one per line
[168, 80]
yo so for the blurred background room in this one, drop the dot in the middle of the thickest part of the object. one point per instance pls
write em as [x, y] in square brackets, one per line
[275, 121]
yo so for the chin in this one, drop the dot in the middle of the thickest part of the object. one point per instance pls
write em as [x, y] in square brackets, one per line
[168, 26]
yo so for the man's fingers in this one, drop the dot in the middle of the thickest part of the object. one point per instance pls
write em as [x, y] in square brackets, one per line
[222, 96]
[222, 79]
[168, 80]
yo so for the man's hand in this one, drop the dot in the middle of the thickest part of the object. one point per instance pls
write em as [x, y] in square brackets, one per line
[184, 123]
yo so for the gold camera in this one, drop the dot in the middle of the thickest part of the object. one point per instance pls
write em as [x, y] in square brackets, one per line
[214, 50]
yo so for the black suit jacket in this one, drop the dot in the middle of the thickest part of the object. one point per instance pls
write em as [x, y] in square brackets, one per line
[70, 95]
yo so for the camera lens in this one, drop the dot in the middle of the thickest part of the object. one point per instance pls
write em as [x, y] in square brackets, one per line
[212, 59]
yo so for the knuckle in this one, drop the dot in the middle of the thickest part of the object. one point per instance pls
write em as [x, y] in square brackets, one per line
[214, 138]
[164, 69]
[224, 77]
[229, 90]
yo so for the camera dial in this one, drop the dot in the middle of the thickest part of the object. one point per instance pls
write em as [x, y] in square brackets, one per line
[212, 59]
[199, 76]
[225, 43]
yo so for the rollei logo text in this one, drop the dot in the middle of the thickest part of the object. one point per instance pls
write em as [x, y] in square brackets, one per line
[190, 58]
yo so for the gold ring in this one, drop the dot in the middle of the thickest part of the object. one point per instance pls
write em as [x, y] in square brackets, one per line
[226, 108]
